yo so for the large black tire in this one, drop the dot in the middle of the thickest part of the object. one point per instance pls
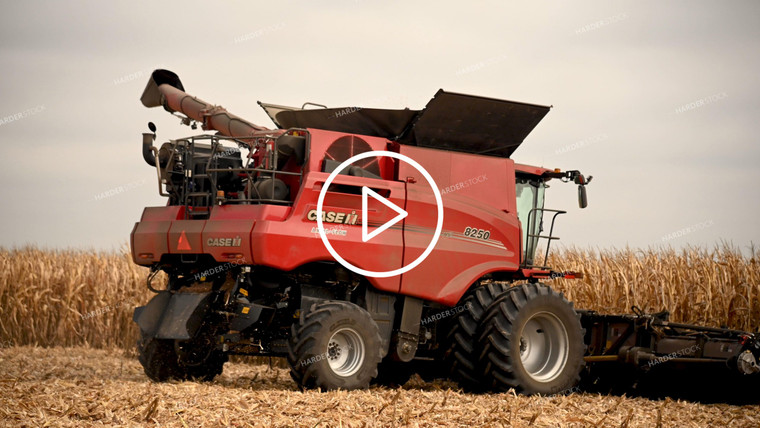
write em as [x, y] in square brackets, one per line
[199, 359]
[393, 373]
[532, 341]
[334, 345]
[460, 352]
[158, 359]
[166, 359]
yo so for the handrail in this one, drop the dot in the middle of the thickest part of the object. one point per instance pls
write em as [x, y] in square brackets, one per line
[193, 188]
[537, 236]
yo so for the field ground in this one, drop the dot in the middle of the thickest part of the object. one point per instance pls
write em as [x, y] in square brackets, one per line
[86, 387]
[72, 304]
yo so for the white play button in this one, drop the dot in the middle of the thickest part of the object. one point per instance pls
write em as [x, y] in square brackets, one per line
[402, 214]
[366, 191]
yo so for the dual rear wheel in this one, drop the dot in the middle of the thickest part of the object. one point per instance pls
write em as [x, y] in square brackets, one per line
[527, 338]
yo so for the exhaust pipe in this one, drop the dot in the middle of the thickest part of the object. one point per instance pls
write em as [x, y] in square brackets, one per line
[165, 89]
[149, 152]
[147, 148]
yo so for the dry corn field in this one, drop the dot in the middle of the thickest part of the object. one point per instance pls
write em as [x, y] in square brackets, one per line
[71, 298]
[56, 306]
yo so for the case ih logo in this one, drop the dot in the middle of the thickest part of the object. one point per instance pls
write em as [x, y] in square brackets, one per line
[224, 242]
[334, 217]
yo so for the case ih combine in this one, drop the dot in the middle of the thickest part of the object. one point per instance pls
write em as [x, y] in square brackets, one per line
[249, 273]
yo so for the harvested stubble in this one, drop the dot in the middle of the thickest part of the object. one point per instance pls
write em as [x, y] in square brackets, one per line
[81, 387]
[69, 298]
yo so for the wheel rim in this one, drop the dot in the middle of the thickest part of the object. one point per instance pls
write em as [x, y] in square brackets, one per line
[345, 352]
[544, 346]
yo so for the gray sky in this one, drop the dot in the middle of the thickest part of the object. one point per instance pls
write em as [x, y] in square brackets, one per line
[659, 101]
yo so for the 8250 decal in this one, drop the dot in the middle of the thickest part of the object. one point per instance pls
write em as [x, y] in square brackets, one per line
[474, 232]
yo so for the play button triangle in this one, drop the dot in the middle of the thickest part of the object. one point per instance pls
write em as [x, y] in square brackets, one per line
[366, 191]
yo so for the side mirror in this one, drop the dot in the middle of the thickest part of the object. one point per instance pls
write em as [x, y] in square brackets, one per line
[582, 198]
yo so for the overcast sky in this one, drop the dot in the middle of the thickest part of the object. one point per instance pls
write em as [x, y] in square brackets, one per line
[659, 101]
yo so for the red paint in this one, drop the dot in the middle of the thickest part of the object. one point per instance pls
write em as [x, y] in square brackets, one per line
[281, 237]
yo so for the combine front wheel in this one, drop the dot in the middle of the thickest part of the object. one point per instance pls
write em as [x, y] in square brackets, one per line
[334, 345]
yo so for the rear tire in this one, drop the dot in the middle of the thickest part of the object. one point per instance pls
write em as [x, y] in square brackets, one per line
[158, 359]
[199, 359]
[168, 359]
[461, 352]
[334, 345]
[532, 341]
[393, 373]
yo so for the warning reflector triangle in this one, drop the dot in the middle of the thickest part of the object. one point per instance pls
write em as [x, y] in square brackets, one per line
[183, 244]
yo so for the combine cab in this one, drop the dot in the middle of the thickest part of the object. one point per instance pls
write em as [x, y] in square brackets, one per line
[435, 230]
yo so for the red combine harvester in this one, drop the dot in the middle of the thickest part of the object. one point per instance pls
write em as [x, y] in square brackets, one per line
[417, 255]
